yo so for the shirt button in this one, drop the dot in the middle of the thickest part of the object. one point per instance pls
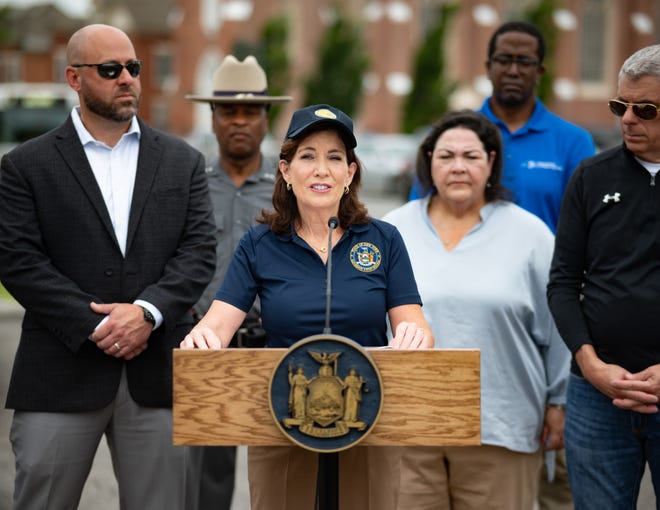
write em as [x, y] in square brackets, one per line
[108, 271]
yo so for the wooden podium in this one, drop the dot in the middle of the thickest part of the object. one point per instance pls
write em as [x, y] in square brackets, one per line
[430, 397]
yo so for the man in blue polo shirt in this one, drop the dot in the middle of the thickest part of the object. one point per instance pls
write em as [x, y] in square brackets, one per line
[541, 149]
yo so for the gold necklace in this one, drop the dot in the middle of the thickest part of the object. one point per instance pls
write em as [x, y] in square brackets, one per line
[322, 249]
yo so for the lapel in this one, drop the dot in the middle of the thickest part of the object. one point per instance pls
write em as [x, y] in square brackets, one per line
[72, 152]
[147, 167]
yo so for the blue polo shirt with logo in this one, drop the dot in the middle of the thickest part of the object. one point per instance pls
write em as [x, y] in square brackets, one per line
[538, 160]
[371, 273]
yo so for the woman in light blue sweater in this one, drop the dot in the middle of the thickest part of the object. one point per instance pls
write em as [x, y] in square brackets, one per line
[481, 265]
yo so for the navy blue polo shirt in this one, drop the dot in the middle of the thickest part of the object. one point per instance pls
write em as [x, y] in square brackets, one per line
[371, 273]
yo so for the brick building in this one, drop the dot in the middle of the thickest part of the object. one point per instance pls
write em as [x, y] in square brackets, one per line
[182, 42]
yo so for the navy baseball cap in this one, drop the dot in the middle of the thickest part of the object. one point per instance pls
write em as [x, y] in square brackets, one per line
[305, 118]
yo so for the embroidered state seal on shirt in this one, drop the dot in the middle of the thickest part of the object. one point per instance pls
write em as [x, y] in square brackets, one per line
[365, 257]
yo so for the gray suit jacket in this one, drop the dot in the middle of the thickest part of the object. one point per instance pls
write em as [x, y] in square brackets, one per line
[58, 252]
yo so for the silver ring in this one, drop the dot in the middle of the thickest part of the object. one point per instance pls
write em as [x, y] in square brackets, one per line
[117, 346]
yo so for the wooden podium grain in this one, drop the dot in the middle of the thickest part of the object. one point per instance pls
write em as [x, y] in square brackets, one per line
[430, 397]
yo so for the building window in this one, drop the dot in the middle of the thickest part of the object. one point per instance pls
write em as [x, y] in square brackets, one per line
[59, 65]
[592, 41]
[159, 114]
[209, 16]
[10, 67]
[162, 66]
[515, 9]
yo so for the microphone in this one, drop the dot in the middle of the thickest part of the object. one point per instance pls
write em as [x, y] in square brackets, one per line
[333, 223]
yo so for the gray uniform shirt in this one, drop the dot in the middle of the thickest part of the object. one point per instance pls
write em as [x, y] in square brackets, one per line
[235, 210]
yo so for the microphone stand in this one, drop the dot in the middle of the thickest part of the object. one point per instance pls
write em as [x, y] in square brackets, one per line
[333, 223]
[327, 481]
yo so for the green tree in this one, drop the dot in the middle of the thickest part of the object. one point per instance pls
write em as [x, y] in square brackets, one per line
[431, 89]
[274, 36]
[271, 53]
[540, 15]
[342, 63]
[6, 30]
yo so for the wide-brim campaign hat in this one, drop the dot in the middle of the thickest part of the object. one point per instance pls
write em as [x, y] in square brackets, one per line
[321, 114]
[239, 82]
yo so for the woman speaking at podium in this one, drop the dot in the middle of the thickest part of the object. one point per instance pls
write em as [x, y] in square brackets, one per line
[283, 262]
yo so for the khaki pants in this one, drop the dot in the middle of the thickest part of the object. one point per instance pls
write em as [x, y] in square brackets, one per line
[284, 478]
[469, 477]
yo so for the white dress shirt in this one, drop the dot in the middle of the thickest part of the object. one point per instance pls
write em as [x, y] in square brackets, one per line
[114, 169]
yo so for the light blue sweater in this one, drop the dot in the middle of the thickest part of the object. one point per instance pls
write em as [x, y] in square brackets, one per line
[489, 293]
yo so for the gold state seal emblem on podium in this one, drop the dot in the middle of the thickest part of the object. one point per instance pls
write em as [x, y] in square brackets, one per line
[326, 393]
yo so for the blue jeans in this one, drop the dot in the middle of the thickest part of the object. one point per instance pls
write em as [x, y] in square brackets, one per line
[607, 449]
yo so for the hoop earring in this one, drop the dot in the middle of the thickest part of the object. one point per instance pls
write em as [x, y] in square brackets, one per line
[288, 186]
[346, 190]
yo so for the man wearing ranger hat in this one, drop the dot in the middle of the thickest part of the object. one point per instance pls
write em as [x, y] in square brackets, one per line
[241, 185]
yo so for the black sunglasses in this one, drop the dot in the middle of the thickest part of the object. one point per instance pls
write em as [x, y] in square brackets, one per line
[645, 111]
[112, 70]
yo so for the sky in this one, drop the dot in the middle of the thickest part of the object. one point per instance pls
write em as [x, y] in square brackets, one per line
[74, 8]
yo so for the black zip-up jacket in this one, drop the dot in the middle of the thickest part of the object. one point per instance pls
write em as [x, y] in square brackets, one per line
[604, 286]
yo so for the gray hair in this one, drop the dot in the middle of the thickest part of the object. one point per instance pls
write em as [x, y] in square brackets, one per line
[644, 62]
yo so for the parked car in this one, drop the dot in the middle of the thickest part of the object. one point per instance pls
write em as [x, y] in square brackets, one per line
[30, 109]
[388, 162]
[604, 138]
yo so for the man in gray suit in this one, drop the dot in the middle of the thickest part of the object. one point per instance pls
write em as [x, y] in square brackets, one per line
[241, 183]
[106, 239]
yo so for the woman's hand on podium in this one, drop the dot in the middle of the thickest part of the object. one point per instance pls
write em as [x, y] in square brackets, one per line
[201, 337]
[410, 335]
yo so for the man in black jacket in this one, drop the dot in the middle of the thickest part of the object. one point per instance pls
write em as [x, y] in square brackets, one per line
[106, 239]
[604, 292]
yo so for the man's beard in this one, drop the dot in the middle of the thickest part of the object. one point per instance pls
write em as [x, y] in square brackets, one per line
[115, 112]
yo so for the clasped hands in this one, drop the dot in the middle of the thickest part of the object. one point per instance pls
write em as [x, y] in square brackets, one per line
[125, 332]
[636, 392]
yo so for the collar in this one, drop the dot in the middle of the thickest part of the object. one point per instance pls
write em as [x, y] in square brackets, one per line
[266, 171]
[352, 229]
[86, 137]
[538, 122]
[485, 212]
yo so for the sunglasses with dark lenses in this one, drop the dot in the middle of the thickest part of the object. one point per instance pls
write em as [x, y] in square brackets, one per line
[112, 70]
[645, 111]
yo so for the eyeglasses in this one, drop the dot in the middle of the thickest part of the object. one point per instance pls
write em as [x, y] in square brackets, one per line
[645, 111]
[112, 70]
[524, 63]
